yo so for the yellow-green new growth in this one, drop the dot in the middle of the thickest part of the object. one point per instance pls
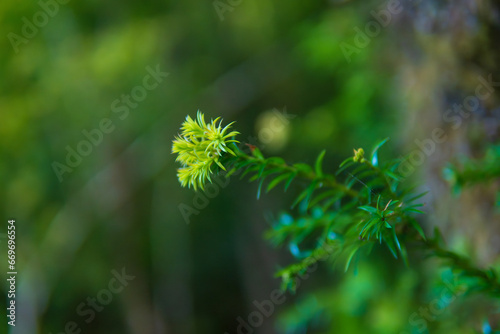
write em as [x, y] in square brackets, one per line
[359, 155]
[199, 146]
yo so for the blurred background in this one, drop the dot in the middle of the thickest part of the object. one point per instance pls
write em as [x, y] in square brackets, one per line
[92, 95]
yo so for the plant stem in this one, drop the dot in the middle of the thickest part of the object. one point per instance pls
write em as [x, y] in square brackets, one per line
[326, 179]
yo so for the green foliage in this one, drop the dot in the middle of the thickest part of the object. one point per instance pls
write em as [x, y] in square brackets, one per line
[471, 172]
[478, 280]
[350, 214]
[362, 205]
[199, 147]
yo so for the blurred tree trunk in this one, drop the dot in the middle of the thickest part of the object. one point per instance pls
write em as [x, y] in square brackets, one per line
[453, 45]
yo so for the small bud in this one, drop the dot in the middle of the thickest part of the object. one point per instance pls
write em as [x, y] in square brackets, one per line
[359, 155]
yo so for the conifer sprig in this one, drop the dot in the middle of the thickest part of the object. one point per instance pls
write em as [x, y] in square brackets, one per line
[364, 203]
[199, 147]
